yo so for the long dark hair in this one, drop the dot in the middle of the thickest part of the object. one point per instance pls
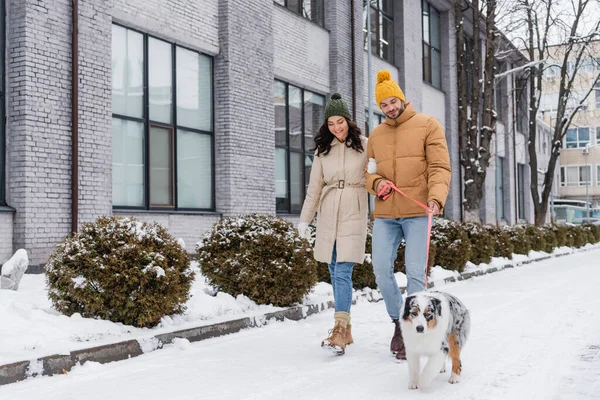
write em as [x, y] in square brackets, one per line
[325, 137]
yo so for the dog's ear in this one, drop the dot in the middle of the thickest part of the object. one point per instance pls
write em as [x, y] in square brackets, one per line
[407, 307]
[437, 305]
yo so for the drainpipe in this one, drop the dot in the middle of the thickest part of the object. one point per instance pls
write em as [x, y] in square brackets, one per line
[74, 116]
[515, 165]
[353, 52]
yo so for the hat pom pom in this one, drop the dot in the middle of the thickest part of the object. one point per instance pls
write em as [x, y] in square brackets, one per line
[383, 75]
[336, 96]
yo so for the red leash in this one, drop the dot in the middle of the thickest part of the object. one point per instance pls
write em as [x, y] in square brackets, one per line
[389, 184]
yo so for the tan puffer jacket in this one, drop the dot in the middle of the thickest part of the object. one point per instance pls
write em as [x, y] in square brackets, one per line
[410, 151]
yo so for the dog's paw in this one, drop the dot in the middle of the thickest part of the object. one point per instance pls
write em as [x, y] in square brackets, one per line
[443, 369]
[454, 378]
[412, 385]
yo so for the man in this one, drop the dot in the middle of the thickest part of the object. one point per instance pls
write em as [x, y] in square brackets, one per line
[410, 151]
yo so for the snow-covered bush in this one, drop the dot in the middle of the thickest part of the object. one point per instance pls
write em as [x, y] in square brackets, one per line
[452, 244]
[560, 231]
[261, 257]
[482, 243]
[536, 237]
[593, 232]
[122, 270]
[576, 237]
[518, 238]
[502, 245]
[550, 238]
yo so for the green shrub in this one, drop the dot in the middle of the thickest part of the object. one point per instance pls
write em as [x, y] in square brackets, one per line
[576, 237]
[261, 257]
[453, 248]
[536, 238]
[122, 270]
[550, 238]
[503, 246]
[590, 232]
[560, 231]
[595, 230]
[518, 238]
[482, 243]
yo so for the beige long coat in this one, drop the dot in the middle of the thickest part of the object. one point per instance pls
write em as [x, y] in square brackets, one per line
[338, 195]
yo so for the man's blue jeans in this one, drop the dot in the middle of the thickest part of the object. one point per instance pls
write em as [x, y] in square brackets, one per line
[387, 235]
[341, 281]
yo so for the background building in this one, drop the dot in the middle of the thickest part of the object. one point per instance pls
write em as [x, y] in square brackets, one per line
[191, 110]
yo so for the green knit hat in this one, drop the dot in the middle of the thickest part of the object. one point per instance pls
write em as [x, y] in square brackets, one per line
[337, 106]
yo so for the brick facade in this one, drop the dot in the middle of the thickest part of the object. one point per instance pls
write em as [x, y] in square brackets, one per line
[252, 43]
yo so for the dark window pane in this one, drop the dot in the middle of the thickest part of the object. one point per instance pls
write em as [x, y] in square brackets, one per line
[194, 170]
[127, 72]
[128, 163]
[374, 31]
[434, 26]
[294, 5]
[314, 116]
[584, 134]
[194, 90]
[387, 38]
[161, 166]
[313, 10]
[387, 6]
[282, 202]
[426, 63]
[160, 80]
[425, 22]
[280, 113]
[436, 69]
[308, 162]
[295, 110]
[296, 181]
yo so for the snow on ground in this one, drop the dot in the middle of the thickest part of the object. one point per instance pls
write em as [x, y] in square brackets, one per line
[535, 335]
[30, 328]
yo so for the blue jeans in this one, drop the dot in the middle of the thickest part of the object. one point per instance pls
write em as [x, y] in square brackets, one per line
[387, 235]
[341, 281]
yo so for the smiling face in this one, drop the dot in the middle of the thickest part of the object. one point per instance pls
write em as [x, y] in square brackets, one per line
[392, 107]
[338, 126]
[421, 312]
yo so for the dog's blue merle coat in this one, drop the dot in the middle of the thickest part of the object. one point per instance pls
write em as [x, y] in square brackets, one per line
[460, 319]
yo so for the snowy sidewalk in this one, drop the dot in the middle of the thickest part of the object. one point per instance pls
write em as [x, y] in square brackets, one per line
[36, 339]
[535, 336]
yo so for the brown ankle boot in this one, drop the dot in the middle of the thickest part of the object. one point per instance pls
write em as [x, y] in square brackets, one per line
[349, 339]
[338, 336]
[397, 343]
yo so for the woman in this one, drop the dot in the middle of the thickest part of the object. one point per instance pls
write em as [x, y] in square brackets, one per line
[337, 193]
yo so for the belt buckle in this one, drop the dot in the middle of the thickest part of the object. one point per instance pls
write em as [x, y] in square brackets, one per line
[341, 184]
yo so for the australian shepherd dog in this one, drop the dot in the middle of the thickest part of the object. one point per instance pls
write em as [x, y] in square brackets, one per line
[436, 325]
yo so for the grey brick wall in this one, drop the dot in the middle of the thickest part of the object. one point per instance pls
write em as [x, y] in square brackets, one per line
[245, 138]
[38, 122]
[300, 48]
[95, 132]
[193, 23]
[6, 236]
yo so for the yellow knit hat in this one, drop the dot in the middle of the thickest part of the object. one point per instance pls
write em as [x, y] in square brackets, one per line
[387, 87]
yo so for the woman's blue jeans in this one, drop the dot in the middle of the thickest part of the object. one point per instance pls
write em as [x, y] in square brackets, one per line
[341, 281]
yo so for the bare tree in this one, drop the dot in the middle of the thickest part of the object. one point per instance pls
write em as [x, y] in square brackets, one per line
[557, 33]
[476, 115]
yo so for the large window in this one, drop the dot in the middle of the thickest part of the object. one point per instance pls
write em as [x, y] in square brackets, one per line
[597, 94]
[521, 190]
[575, 175]
[309, 9]
[382, 28]
[577, 137]
[432, 57]
[521, 108]
[298, 116]
[500, 188]
[162, 124]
